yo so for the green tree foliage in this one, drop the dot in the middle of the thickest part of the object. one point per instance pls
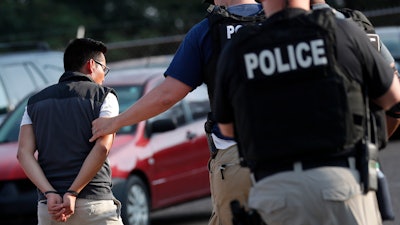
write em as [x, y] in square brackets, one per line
[110, 21]
[56, 22]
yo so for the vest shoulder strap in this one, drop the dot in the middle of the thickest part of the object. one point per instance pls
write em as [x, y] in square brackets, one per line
[358, 17]
[362, 21]
[219, 17]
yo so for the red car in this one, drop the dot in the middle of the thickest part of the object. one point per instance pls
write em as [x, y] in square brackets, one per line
[155, 164]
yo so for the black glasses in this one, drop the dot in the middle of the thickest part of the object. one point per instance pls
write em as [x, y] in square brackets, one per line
[106, 69]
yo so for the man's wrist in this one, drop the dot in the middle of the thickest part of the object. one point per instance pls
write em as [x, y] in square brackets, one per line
[72, 192]
[49, 192]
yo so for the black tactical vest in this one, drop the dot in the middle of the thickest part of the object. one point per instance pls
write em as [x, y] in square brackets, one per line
[299, 104]
[379, 128]
[223, 26]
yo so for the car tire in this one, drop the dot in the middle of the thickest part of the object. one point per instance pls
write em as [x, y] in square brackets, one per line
[136, 205]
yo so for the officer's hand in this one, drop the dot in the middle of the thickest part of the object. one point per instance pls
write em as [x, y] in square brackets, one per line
[102, 126]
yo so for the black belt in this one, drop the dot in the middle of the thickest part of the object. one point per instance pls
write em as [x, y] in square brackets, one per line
[261, 173]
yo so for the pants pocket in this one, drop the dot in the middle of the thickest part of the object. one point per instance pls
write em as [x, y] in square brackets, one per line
[341, 192]
[119, 206]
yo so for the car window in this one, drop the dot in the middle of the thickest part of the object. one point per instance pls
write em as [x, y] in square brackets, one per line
[19, 75]
[195, 103]
[198, 102]
[9, 130]
[176, 113]
[3, 99]
[22, 73]
[127, 95]
[392, 42]
[390, 36]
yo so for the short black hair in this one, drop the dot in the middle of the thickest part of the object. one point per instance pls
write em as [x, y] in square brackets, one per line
[80, 50]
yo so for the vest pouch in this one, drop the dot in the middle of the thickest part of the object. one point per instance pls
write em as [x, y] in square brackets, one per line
[307, 109]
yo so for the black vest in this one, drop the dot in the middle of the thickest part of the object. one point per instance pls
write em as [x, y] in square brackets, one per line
[300, 105]
[379, 134]
[61, 117]
[223, 26]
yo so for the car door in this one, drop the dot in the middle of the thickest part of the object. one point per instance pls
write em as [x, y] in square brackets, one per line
[180, 156]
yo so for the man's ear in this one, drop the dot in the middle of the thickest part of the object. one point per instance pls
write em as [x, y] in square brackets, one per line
[89, 66]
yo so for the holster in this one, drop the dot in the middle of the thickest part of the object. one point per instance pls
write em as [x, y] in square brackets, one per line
[208, 127]
[243, 217]
[372, 179]
[367, 162]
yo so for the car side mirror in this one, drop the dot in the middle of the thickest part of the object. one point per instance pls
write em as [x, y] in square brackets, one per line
[6, 109]
[159, 126]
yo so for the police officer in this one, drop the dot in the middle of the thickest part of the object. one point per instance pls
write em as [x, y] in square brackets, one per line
[385, 125]
[293, 92]
[194, 63]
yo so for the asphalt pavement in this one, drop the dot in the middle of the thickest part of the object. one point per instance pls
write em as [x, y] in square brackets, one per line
[194, 213]
[390, 164]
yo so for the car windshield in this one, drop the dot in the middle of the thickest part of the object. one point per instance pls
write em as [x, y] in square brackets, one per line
[127, 95]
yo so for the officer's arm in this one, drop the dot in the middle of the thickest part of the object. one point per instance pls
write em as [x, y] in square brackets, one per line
[392, 125]
[391, 97]
[226, 129]
[393, 115]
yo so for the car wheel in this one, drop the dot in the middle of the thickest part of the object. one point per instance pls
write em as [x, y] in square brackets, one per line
[137, 203]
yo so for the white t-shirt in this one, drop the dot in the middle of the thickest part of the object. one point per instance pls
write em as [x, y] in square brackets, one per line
[109, 108]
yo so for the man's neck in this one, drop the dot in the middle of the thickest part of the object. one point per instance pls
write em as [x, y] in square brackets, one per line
[272, 7]
[228, 3]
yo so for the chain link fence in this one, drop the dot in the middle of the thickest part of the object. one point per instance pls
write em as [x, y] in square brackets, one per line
[143, 48]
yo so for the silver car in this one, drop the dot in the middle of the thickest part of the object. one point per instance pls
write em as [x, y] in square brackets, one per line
[23, 72]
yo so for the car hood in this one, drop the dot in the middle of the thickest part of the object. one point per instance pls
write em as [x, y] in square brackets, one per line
[9, 165]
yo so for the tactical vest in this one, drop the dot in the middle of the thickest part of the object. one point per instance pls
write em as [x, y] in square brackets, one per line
[379, 128]
[223, 26]
[298, 102]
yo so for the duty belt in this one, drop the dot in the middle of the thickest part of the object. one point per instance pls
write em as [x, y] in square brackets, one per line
[348, 162]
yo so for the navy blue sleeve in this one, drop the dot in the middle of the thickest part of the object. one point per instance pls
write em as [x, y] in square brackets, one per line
[193, 53]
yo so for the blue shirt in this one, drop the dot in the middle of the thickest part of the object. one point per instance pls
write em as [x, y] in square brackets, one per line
[195, 50]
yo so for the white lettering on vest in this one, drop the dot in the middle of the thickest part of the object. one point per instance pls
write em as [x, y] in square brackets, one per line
[301, 55]
[230, 29]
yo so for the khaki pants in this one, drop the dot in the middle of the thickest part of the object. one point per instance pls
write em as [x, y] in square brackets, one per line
[87, 212]
[323, 196]
[228, 181]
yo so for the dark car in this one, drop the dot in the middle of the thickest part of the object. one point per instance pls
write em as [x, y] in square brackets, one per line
[23, 72]
[155, 164]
